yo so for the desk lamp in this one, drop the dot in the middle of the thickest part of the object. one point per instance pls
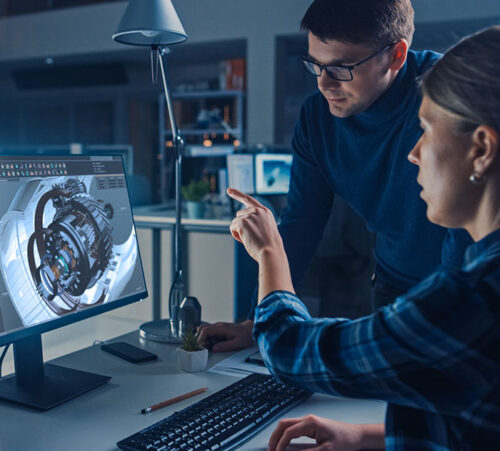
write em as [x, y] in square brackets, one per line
[155, 24]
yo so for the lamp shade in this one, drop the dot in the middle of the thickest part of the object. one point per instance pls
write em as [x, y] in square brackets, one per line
[150, 23]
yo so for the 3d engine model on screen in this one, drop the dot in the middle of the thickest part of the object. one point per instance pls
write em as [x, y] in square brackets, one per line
[68, 244]
[74, 249]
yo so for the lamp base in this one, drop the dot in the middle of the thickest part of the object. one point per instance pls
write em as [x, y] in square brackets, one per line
[159, 330]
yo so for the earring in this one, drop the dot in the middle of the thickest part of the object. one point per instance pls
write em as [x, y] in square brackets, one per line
[476, 178]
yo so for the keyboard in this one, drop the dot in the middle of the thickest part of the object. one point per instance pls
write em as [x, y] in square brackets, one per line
[222, 421]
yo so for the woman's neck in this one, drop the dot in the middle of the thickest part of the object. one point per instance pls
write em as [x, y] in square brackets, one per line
[487, 218]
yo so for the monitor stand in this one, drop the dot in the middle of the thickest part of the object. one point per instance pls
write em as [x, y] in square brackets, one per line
[43, 386]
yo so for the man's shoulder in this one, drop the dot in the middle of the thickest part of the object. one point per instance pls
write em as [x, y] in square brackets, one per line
[421, 61]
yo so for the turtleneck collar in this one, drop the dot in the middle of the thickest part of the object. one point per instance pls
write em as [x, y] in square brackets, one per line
[390, 103]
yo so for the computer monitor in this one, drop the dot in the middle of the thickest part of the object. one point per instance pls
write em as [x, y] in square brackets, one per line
[68, 251]
[272, 173]
[261, 174]
[240, 172]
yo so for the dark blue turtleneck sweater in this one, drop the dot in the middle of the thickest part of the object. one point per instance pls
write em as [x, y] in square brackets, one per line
[363, 159]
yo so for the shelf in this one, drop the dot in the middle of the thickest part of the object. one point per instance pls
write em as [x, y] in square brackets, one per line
[198, 100]
[208, 131]
[211, 151]
[187, 106]
[216, 150]
[212, 94]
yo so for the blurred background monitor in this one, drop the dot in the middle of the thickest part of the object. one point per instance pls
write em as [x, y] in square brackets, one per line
[272, 173]
[240, 172]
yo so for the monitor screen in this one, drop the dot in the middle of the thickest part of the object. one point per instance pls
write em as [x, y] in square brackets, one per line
[240, 172]
[68, 246]
[272, 173]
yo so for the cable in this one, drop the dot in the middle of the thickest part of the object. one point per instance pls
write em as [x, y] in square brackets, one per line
[5, 349]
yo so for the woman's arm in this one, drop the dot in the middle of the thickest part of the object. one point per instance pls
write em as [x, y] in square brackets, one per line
[256, 228]
[430, 349]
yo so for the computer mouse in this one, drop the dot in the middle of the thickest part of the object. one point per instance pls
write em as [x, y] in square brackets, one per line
[211, 341]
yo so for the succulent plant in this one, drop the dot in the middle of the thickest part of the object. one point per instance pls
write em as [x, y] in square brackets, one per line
[190, 341]
[195, 190]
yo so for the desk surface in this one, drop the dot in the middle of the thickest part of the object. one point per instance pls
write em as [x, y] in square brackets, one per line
[103, 416]
[158, 215]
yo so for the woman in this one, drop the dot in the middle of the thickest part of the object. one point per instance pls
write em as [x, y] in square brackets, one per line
[434, 354]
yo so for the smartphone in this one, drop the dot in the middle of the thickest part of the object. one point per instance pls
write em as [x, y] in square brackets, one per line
[128, 352]
[256, 359]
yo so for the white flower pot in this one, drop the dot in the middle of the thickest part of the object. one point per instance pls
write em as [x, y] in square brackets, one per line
[192, 361]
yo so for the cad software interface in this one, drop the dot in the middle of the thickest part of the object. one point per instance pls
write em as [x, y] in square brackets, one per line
[67, 238]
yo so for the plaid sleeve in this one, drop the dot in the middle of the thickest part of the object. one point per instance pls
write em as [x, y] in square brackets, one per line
[430, 348]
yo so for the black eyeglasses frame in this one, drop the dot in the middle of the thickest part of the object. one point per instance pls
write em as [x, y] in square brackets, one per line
[349, 67]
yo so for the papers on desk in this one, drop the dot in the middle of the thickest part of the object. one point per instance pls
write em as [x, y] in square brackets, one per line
[236, 365]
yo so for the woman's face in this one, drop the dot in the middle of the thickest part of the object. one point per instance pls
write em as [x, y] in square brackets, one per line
[444, 167]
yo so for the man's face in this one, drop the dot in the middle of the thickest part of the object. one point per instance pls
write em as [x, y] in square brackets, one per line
[371, 79]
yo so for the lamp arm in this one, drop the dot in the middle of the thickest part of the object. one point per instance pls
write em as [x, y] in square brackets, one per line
[175, 132]
[179, 152]
[177, 290]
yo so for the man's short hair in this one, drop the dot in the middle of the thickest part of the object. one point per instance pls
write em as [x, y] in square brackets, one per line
[377, 22]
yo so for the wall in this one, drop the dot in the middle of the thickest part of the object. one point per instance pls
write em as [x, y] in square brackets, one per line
[66, 32]
[438, 10]
[83, 31]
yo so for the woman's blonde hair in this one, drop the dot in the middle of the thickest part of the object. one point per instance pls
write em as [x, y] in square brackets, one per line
[466, 80]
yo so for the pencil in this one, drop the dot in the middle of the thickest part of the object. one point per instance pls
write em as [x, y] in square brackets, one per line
[173, 400]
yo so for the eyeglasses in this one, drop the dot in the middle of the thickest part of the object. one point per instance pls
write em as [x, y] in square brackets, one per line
[340, 72]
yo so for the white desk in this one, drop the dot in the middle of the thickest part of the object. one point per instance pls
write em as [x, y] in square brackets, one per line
[100, 418]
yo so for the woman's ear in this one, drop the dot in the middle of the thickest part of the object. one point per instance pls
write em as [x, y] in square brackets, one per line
[399, 53]
[485, 151]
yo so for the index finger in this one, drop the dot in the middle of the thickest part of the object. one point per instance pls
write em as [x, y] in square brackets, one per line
[208, 330]
[245, 199]
[280, 429]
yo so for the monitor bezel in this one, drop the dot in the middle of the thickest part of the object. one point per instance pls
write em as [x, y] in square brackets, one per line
[8, 337]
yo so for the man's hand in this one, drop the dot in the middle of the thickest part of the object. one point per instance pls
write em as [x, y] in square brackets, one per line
[329, 434]
[226, 336]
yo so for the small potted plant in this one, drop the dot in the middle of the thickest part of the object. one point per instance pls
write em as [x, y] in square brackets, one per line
[193, 194]
[191, 356]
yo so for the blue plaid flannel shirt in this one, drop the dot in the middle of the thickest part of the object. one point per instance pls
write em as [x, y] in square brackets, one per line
[433, 355]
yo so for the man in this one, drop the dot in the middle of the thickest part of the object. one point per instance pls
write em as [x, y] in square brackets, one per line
[352, 140]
